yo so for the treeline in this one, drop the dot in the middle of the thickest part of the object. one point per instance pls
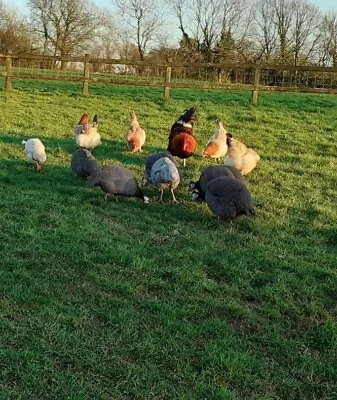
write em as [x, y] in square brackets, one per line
[292, 32]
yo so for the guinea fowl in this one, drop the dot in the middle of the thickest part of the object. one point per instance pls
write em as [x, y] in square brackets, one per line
[240, 156]
[35, 152]
[182, 142]
[117, 180]
[216, 146]
[165, 175]
[207, 174]
[228, 198]
[83, 163]
[86, 134]
[151, 159]
[135, 135]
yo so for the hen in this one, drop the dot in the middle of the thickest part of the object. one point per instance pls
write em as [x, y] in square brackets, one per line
[228, 198]
[86, 134]
[240, 156]
[163, 174]
[35, 152]
[135, 135]
[216, 146]
[182, 142]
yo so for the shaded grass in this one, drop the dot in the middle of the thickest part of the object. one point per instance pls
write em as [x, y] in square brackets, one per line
[121, 300]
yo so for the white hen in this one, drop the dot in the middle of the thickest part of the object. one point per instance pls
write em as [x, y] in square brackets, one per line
[35, 152]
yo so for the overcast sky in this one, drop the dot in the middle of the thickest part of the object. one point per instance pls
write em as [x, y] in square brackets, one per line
[322, 4]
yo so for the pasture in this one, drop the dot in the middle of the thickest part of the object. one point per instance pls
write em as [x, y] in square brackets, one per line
[118, 299]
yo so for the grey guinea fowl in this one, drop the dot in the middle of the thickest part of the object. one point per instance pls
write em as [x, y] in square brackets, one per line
[228, 198]
[209, 173]
[114, 179]
[164, 174]
[83, 163]
[152, 158]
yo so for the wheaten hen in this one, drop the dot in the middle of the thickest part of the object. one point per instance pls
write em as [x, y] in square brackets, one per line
[135, 136]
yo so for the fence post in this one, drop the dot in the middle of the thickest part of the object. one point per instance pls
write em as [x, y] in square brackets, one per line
[167, 86]
[9, 70]
[255, 90]
[86, 75]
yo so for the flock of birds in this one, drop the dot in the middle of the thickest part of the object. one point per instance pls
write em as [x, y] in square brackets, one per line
[222, 187]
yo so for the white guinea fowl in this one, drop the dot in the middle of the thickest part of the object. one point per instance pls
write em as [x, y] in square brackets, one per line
[164, 174]
[35, 152]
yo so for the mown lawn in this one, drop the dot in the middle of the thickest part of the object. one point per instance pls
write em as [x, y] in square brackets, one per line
[121, 300]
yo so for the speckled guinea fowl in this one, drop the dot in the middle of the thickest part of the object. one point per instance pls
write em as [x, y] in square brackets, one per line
[209, 173]
[228, 198]
[117, 180]
[83, 163]
[164, 175]
[152, 158]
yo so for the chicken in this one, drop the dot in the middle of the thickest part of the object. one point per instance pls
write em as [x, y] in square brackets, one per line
[35, 152]
[163, 174]
[240, 156]
[228, 198]
[83, 163]
[216, 146]
[113, 179]
[135, 135]
[182, 142]
[86, 134]
[207, 174]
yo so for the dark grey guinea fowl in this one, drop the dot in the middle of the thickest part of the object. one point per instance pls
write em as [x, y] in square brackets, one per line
[228, 198]
[83, 163]
[152, 158]
[113, 179]
[209, 173]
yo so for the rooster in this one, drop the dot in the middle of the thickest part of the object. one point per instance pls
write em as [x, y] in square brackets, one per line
[35, 152]
[240, 156]
[216, 146]
[135, 135]
[182, 142]
[86, 134]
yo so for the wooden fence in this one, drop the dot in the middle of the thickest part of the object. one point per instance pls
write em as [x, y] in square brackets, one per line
[88, 71]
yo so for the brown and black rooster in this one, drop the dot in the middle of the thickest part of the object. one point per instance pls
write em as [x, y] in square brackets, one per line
[182, 142]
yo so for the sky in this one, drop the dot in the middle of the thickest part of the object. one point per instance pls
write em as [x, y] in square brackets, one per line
[324, 5]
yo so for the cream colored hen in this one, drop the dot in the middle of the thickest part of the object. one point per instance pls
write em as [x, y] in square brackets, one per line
[240, 156]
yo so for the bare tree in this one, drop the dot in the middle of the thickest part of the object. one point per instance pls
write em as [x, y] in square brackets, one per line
[265, 29]
[306, 18]
[328, 40]
[143, 18]
[65, 26]
[284, 11]
[14, 33]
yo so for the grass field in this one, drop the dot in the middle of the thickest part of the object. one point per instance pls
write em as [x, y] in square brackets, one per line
[121, 300]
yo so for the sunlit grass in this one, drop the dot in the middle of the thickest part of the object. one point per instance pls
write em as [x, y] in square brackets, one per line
[122, 300]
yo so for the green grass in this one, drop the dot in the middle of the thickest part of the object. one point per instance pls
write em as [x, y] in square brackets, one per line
[121, 300]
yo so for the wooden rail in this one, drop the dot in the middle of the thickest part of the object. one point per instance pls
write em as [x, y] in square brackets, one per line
[165, 81]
